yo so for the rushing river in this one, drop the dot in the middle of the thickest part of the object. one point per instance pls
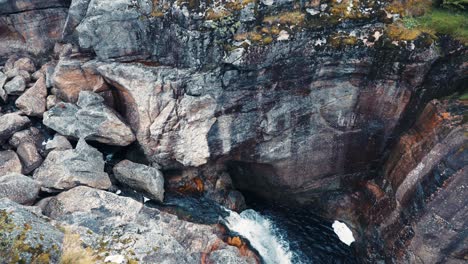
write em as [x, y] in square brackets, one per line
[280, 235]
[284, 235]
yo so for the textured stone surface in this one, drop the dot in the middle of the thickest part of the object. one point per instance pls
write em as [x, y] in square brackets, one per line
[19, 188]
[156, 236]
[29, 156]
[11, 123]
[91, 119]
[9, 162]
[23, 26]
[16, 85]
[31, 135]
[27, 236]
[144, 179]
[33, 101]
[66, 169]
[59, 142]
[25, 64]
[425, 191]
[72, 76]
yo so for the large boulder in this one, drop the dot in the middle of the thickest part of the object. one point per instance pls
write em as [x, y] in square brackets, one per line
[19, 188]
[65, 169]
[147, 180]
[9, 163]
[72, 76]
[120, 227]
[33, 101]
[90, 119]
[26, 236]
[29, 156]
[11, 123]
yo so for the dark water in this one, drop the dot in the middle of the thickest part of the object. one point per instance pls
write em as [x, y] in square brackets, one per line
[311, 238]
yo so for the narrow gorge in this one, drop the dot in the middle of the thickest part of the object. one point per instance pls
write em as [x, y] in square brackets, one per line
[232, 132]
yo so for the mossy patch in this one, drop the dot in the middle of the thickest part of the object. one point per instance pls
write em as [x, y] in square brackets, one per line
[286, 18]
[341, 40]
[14, 247]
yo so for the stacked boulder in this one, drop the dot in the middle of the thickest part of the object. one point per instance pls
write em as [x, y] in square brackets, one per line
[59, 195]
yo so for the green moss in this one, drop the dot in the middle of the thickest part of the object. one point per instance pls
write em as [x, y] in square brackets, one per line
[445, 22]
[14, 248]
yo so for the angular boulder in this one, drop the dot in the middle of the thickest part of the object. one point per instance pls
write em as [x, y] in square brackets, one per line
[26, 236]
[59, 142]
[11, 123]
[9, 163]
[66, 169]
[19, 188]
[29, 156]
[25, 64]
[33, 101]
[147, 180]
[90, 119]
[16, 85]
[32, 135]
[72, 76]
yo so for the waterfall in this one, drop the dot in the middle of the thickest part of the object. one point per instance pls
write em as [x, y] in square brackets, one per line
[262, 235]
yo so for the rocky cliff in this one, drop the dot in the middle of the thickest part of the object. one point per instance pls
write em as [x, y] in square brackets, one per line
[300, 102]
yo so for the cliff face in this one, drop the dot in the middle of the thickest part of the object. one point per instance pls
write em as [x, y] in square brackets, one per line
[420, 211]
[297, 101]
[292, 98]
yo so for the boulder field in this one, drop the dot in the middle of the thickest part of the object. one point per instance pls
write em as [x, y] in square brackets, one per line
[317, 103]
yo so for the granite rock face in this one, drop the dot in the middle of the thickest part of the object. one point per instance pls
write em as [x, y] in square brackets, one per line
[90, 119]
[23, 26]
[65, 169]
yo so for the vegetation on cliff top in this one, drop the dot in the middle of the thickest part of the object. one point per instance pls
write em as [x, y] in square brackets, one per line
[447, 17]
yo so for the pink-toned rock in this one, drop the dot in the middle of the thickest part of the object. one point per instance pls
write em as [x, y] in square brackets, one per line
[33, 101]
[72, 76]
[9, 163]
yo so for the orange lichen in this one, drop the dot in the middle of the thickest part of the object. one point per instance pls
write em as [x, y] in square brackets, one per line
[193, 187]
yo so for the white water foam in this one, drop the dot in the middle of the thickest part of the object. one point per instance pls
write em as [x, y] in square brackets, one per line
[262, 235]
